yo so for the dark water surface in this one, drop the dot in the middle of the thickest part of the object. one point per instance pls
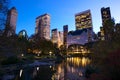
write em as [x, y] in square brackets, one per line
[70, 69]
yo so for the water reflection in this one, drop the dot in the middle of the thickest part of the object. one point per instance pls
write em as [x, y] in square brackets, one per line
[70, 69]
[78, 62]
[21, 72]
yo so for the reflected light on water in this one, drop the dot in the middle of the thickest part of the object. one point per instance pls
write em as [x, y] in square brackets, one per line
[71, 69]
[80, 74]
[21, 71]
[50, 66]
[79, 61]
[37, 68]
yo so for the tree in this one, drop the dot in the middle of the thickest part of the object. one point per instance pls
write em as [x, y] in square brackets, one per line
[22, 43]
[117, 32]
[43, 45]
[4, 5]
[106, 55]
[109, 27]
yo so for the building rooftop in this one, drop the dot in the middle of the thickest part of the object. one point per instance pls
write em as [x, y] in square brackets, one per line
[43, 15]
[54, 29]
[105, 8]
[78, 32]
[13, 8]
[82, 12]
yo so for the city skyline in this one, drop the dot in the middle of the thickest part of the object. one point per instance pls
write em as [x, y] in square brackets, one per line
[61, 12]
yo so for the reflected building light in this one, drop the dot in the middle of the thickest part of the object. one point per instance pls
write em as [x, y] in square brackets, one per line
[72, 69]
[79, 61]
[21, 71]
[34, 72]
[37, 68]
[58, 77]
[80, 74]
[84, 61]
[50, 66]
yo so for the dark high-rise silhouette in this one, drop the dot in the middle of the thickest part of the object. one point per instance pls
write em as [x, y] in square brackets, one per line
[106, 15]
[107, 29]
[65, 32]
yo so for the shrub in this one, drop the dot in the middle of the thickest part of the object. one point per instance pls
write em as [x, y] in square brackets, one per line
[10, 60]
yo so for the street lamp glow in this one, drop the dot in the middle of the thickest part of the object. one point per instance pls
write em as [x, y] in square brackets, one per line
[50, 53]
[22, 55]
[39, 53]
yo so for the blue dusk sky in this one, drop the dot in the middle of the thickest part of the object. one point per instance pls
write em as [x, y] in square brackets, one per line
[62, 12]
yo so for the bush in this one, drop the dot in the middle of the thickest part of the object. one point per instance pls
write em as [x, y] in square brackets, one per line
[10, 60]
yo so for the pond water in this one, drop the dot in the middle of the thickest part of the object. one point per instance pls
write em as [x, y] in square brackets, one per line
[70, 69]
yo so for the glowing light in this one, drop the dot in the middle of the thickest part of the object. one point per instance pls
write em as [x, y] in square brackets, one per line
[22, 55]
[37, 68]
[21, 71]
[50, 66]
[50, 53]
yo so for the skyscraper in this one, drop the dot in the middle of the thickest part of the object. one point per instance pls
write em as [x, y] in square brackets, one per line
[61, 38]
[43, 26]
[105, 13]
[106, 16]
[65, 32]
[54, 36]
[57, 37]
[83, 20]
[11, 21]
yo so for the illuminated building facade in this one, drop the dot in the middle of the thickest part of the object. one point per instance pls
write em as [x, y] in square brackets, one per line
[80, 36]
[65, 33]
[43, 26]
[83, 20]
[76, 41]
[102, 37]
[60, 38]
[11, 21]
[106, 15]
[57, 37]
[54, 36]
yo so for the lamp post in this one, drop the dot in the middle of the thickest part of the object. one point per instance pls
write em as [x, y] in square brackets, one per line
[39, 53]
[50, 53]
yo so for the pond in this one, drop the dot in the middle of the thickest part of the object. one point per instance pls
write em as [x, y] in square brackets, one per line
[72, 68]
